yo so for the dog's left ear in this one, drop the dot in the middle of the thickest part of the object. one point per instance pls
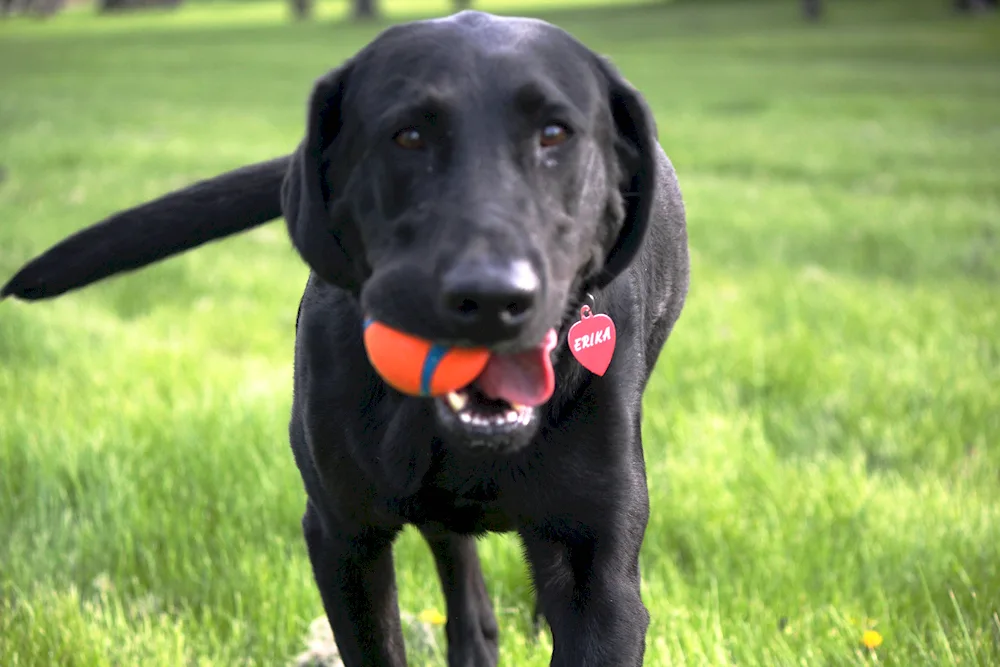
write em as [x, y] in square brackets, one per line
[635, 145]
[316, 213]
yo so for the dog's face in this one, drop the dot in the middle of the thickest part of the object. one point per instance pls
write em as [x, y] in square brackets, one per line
[468, 178]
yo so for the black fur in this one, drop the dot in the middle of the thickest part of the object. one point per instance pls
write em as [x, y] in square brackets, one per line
[479, 206]
[208, 210]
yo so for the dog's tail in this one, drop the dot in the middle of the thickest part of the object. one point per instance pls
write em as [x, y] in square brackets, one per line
[230, 203]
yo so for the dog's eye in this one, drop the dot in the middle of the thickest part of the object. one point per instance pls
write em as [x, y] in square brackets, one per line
[553, 134]
[409, 139]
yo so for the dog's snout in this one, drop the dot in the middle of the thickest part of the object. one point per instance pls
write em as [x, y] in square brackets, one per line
[488, 301]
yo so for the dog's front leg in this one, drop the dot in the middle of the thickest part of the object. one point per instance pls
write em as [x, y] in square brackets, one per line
[355, 575]
[588, 586]
[472, 626]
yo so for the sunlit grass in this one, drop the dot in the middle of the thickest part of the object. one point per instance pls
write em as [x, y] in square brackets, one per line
[821, 433]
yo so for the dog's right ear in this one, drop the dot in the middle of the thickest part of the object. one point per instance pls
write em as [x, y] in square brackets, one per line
[319, 223]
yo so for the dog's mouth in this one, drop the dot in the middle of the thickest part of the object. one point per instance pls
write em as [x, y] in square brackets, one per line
[506, 395]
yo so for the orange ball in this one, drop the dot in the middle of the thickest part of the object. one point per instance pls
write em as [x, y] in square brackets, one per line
[418, 367]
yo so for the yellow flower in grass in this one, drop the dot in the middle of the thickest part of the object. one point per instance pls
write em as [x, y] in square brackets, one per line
[871, 639]
[432, 616]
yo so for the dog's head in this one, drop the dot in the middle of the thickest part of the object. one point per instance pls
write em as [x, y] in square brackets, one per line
[468, 179]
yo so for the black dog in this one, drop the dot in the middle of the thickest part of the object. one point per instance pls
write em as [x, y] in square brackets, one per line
[470, 180]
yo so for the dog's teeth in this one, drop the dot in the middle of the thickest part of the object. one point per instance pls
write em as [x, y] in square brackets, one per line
[457, 400]
[461, 404]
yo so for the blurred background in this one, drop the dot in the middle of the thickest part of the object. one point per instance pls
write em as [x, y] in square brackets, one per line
[821, 433]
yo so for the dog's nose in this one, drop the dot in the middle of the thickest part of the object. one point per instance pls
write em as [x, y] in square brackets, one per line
[488, 301]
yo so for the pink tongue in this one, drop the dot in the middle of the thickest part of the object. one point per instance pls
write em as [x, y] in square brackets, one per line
[526, 378]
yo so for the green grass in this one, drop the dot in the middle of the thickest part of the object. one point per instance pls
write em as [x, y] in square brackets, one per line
[822, 433]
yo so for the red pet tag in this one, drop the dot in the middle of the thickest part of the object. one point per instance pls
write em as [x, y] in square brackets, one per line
[592, 341]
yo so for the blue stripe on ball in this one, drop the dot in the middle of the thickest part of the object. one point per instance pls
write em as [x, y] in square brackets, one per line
[368, 322]
[431, 361]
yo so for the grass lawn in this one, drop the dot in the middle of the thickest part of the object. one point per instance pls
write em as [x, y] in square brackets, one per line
[822, 432]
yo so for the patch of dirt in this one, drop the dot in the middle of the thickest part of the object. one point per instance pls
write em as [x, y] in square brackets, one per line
[321, 651]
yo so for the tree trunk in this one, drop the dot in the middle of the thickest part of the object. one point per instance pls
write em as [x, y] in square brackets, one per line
[365, 9]
[106, 6]
[974, 6]
[812, 10]
[37, 8]
[301, 9]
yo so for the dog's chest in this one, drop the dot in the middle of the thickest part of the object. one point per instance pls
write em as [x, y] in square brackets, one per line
[440, 511]
[471, 507]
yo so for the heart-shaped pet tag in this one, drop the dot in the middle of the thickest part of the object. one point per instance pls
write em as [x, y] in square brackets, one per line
[592, 341]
